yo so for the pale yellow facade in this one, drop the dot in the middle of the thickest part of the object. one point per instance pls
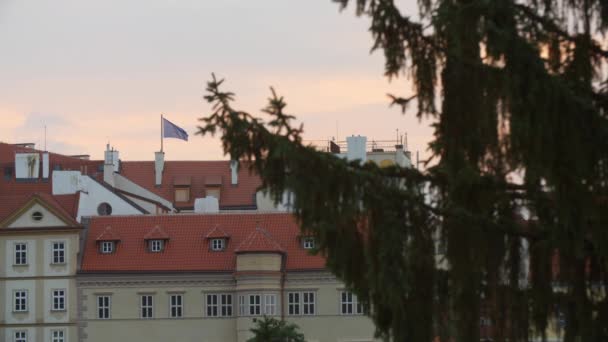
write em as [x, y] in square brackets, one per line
[31, 278]
[256, 275]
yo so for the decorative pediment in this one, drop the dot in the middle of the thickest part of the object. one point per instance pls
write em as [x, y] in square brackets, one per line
[39, 211]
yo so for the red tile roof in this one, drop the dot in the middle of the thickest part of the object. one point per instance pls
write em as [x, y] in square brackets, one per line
[188, 250]
[199, 172]
[259, 241]
[64, 205]
[217, 233]
[156, 233]
[108, 234]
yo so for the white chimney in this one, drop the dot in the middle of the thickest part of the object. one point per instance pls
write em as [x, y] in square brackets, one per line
[356, 148]
[45, 165]
[108, 166]
[159, 166]
[234, 172]
[115, 160]
[208, 204]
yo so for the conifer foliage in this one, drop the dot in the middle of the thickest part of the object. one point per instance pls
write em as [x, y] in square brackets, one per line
[517, 93]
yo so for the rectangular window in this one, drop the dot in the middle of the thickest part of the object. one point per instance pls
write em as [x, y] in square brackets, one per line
[20, 254]
[156, 246]
[20, 336]
[349, 304]
[147, 306]
[301, 303]
[182, 195]
[103, 307]
[293, 303]
[270, 304]
[58, 252]
[308, 303]
[255, 305]
[20, 301]
[57, 336]
[242, 306]
[212, 306]
[176, 305]
[107, 247]
[217, 244]
[220, 305]
[226, 305]
[58, 300]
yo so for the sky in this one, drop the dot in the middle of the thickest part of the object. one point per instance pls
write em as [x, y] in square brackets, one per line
[102, 71]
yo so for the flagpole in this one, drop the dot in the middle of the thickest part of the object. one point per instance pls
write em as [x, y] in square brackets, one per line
[161, 132]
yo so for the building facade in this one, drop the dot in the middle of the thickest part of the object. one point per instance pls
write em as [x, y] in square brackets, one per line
[39, 245]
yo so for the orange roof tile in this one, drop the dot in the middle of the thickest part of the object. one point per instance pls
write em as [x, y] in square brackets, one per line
[259, 241]
[156, 233]
[108, 234]
[217, 233]
[188, 250]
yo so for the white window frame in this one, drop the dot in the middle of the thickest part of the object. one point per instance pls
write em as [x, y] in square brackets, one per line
[106, 247]
[58, 299]
[309, 303]
[20, 254]
[308, 242]
[156, 246]
[146, 307]
[58, 252]
[57, 335]
[20, 336]
[20, 300]
[212, 308]
[226, 305]
[356, 308]
[218, 244]
[104, 305]
[255, 304]
[270, 304]
[176, 305]
[301, 303]
[293, 304]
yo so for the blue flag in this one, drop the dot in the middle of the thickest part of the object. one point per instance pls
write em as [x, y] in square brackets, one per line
[171, 130]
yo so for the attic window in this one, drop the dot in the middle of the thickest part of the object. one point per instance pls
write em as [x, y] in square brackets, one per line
[308, 242]
[104, 209]
[182, 194]
[218, 245]
[156, 246]
[37, 216]
[106, 247]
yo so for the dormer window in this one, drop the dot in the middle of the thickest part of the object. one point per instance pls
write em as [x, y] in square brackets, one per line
[308, 242]
[182, 188]
[156, 246]
[106, 247]
[218, 245]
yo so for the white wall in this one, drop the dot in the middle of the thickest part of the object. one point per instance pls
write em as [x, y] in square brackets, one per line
[28, 317]
[26, 221]
[66, 182]
[28, 270]
[56, 316]
[95, 195]
[124, 184]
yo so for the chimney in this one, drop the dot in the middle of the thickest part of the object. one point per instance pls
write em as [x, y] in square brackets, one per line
[402, 158]
[108, 166]
[115, 160]
[45, 165]
[356, 148]
[159, 166]
[234, 172]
